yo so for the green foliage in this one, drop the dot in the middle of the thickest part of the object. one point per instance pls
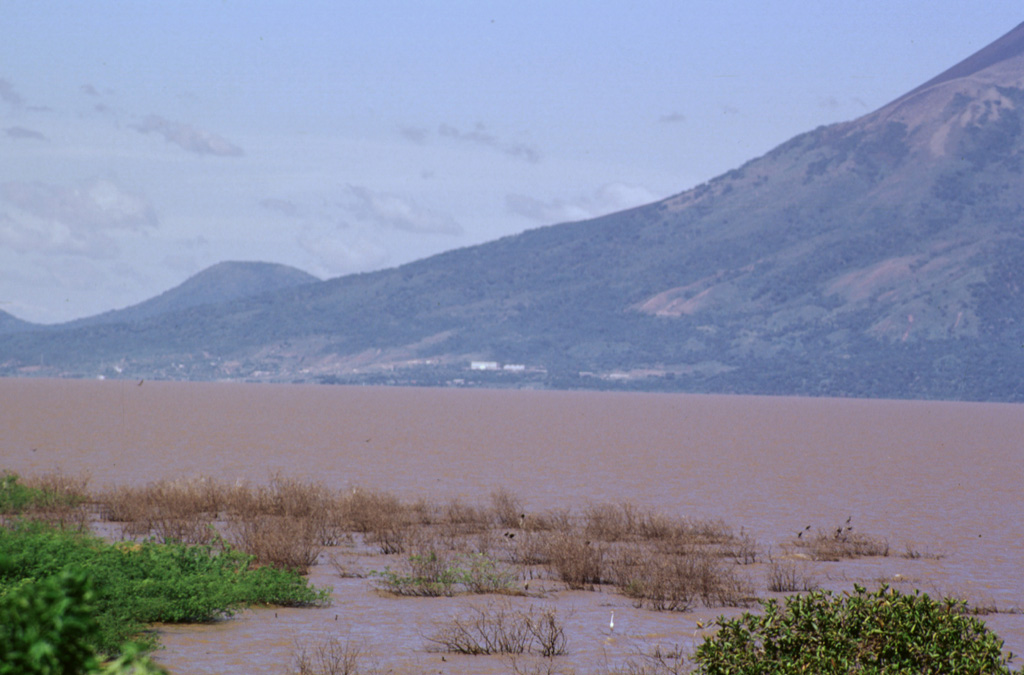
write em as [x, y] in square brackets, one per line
[47, 626]
[16, 498]
[140, 583]
[132, 661]
[864, 632]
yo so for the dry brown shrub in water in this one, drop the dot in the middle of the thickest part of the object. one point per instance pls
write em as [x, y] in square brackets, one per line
[184, 510]
[574, 559]
[610, 522]
[126, 506]
[64, 488]
[290, 497]
[67, 499]
[719, 584]
[507, 509]
[195, 495]
[365, 508]
[240, 498]
[191, 528]
[380, 517]
[459, 518]
[169, 510]
[329, 525]
[500, 628]
[683, 534]
[537, 665]
[490, 543]
[789, 578]
[389, 535]
[327, 656]
[676, 582]
[742, 549]
[842, 543]
[286, 496]
[912, 553]
[345, 569]
[658, 582]
[529, 548]
[655, 661]
[556, 520]
[285, 542]
[654, 525]
[433, 568]
[425, 572]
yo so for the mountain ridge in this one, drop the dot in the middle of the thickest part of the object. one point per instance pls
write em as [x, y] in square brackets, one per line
[222, 282]
[877, 257]
[12, 324]
[1005, 48]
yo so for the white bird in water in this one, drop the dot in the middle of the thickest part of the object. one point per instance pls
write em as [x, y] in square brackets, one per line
[611, 623]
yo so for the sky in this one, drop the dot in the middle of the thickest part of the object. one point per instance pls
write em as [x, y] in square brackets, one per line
[141, 142]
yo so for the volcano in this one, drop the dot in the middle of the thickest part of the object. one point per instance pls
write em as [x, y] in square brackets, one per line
[880, 257]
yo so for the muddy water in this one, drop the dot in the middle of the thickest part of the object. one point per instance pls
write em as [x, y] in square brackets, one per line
[944, 478]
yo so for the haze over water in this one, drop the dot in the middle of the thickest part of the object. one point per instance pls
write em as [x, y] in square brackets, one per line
[945, 478]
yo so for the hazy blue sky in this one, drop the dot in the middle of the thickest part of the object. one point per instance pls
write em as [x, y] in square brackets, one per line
[141, 142]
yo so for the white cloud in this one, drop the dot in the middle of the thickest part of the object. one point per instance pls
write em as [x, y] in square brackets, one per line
[98, 203]
[552, 211]
[478, 136]
[343, 252]
[72, 220]
[388, 210]
[362, 229]
[606, 199]
[188, 137]
[25, 236]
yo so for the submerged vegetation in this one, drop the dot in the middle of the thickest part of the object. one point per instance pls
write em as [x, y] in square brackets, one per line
[198, 550]
[67, 597]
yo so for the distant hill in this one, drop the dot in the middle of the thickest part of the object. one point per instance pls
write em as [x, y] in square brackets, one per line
[220, 283]
[12, 324]
[881, 257]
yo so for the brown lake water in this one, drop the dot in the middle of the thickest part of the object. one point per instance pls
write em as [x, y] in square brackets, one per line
[944, 478]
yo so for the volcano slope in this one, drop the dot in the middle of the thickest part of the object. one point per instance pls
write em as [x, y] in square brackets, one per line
[881, 257]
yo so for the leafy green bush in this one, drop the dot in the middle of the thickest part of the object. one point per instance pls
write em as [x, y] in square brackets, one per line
[140, 583]
[863, 632]
[47, 626]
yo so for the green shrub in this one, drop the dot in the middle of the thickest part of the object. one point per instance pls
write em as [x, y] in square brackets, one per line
[47, 627]
[863, 632]
[140, 583]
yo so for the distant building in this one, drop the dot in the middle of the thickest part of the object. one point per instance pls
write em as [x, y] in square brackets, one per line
[514, 367]
[483, 365]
